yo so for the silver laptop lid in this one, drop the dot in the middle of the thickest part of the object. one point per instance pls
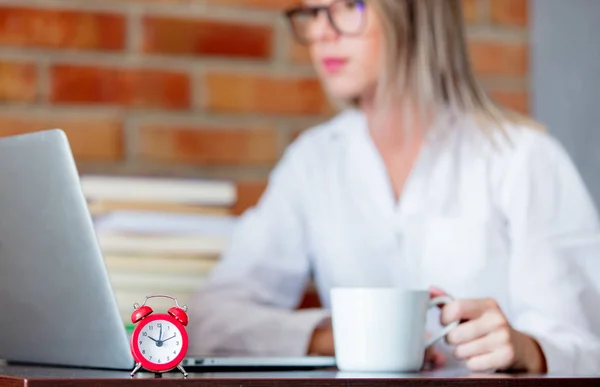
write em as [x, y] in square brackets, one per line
[56, 302]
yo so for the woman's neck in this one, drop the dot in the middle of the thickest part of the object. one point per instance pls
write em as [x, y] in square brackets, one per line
[393, 128]
[397, 134]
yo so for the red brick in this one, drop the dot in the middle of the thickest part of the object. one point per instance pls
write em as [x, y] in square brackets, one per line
[510, 12]
[249, 193]
[119, 86]
[18, 82]
[207, 145]
[167, 35]
[47, 28]
[516, 100]
[245, 93]
[499, 58]
[470, 10]
[265, 4]
[156, 1]
[91, 138]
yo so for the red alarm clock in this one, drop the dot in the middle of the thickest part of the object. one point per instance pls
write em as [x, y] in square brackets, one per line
[159, 342]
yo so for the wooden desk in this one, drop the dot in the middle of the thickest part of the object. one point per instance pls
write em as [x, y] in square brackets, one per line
[13, 376]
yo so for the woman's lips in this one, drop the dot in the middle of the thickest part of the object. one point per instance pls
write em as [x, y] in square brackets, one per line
[333, 65]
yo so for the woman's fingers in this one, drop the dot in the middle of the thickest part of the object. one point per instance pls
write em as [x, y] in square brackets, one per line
[501, 358]
[467, 309]
[436, 292]
[482, 345]
[475, 329]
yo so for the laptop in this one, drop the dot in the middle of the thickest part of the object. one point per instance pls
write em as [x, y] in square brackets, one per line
[57, 306]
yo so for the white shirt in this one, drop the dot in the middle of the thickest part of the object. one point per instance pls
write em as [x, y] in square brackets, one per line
[474, 220]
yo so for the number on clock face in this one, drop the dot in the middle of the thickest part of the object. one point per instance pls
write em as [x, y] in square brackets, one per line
[160, 341]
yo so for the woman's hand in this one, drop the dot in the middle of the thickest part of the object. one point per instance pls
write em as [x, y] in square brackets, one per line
[321, 341]
[485, 340]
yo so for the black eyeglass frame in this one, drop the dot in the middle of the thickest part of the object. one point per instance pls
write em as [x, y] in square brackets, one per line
[290, 13]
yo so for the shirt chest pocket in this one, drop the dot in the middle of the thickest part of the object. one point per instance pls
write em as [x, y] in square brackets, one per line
[461, 251]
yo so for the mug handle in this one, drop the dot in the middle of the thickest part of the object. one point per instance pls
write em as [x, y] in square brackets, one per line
[442, 300]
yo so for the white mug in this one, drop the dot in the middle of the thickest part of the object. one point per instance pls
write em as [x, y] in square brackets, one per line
[382, 329]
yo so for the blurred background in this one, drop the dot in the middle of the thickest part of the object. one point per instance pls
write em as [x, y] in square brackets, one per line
[177, 110]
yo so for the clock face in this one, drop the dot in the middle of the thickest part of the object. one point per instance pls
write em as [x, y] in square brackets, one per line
[160, 342]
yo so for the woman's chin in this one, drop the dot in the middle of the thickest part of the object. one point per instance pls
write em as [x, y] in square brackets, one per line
[339, 92]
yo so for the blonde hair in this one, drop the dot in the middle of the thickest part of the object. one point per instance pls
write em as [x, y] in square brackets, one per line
[426, 56]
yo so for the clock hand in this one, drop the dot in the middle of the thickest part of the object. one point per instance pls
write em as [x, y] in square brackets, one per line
[160, 334]
[159, 343]
[168, 338]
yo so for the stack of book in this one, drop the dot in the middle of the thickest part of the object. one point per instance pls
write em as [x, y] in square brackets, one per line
[159, 235]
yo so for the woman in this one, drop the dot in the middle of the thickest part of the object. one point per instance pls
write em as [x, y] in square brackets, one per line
[421, 181]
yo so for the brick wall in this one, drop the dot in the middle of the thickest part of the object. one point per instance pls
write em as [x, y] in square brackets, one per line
[196, 87]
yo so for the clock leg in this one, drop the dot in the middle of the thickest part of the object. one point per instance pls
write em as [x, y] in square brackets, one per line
[180, 368]
[136, 369]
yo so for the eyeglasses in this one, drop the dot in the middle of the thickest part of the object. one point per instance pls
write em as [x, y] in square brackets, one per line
[347, 17]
